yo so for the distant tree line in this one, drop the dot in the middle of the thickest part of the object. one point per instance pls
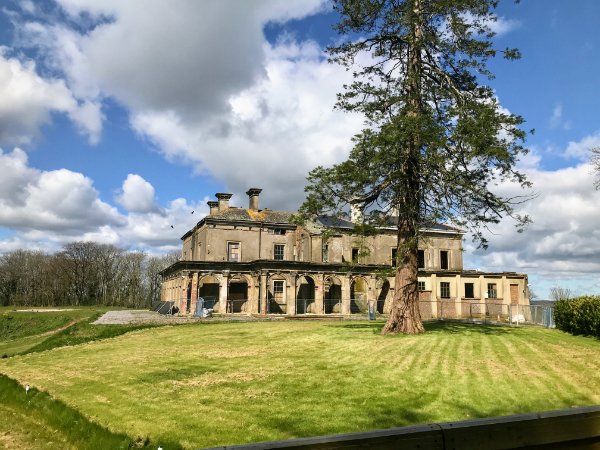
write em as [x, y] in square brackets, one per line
[83, 273]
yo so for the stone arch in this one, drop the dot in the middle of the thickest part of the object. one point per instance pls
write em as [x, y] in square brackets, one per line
[305, 294]
[359, 288]
[277, 294]
[209, 286]
[332, 295]
[238, 286]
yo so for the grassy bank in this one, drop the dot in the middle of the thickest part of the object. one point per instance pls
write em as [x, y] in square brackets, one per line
[34, 420]
[213, 384]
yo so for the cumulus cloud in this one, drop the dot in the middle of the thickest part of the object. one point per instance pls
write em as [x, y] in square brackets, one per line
[562, 242]
[56, 201]
[28, 100]
[581, 149]
[137, 195]
[46, 209]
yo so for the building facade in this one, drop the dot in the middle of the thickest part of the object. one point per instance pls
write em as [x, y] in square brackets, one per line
[258, 261]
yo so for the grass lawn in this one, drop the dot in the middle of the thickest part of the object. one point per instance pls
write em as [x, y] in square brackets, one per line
[225, 383]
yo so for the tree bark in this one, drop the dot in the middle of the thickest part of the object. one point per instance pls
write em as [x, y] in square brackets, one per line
[405, 316]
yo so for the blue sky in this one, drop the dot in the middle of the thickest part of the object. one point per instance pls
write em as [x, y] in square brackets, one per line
[118, 119]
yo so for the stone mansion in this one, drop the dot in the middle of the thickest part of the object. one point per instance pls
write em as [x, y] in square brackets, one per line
[257, 261]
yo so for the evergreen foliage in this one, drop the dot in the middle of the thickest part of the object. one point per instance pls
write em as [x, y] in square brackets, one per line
[580, 315]
[435, 140]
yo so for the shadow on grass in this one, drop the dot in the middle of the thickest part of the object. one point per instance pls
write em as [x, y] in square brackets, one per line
[440, 326]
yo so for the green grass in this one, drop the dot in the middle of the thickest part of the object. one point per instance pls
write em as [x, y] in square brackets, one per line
[30, 332]
[34, 420]
[225, 383]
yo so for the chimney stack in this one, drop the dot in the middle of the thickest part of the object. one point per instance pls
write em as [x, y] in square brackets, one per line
[223, 200]
[252, 194]
[214, 207]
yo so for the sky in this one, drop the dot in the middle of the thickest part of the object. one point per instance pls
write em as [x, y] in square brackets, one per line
[120, 120]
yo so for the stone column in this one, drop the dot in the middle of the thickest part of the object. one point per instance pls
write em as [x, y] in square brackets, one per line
[290, 300]
[434, 295]
[263, 293]
[254, 294]
[457, 298]
[223, 292]
[194, 293]
[319, 293]
[346, 281]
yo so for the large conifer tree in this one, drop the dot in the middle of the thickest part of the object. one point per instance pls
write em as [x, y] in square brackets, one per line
[435, 139]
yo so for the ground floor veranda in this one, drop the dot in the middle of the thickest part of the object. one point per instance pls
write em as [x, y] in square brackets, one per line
[298, 288]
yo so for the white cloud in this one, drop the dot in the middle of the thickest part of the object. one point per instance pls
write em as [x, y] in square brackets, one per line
[46, 209]
[56, 201]
[502, 26]
[137, 195]
[581, 149]
[562, 243]
[28, 100]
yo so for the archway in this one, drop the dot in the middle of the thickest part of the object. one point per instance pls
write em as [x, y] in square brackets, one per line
[358, 296]
[208, 289]
[305, 296]
[237, 294]
[277, 294]
[333, 296]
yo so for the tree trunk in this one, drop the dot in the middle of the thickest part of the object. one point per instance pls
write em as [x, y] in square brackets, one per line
[405, 316]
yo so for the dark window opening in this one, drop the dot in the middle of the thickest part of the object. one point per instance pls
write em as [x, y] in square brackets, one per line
[421, 259]
[325, 252]
[469, 290]
[278, 231]
[444, 260]
[394, 254]
[354, 255]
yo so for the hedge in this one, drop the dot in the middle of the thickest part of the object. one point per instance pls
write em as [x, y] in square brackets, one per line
[580, 315]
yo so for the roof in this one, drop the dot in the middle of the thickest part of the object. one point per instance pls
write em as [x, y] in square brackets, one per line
[262, 215]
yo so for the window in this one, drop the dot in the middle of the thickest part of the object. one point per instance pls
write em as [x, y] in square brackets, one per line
[420, 285]
[278, 231]
[325, 252]
[421, 259]
[354, 255]
[444, 289]
[444, 260]
[278, 287]
[469, 290]
[278, 252]
[394, 253]
[233, 251]
[492, 292]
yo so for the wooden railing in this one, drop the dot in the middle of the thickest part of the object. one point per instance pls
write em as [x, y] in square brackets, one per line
[577, 428]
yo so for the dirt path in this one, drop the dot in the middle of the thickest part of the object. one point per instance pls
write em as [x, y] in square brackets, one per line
[58, 330]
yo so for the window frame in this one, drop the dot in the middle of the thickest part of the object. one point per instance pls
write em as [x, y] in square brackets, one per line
[357, 259]
[394, 253]
[420, 286]
[325, 252]
[239, 253]
[444, 286]
[275, 247]
[492, 290]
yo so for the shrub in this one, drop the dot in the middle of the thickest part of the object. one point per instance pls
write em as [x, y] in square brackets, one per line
[580, 315]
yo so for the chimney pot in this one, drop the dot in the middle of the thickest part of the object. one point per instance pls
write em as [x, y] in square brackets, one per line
[214, 207]
[223, 200]
[253, 194]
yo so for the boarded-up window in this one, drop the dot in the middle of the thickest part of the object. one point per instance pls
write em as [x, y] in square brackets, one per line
[278, 286]
[233, 251]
